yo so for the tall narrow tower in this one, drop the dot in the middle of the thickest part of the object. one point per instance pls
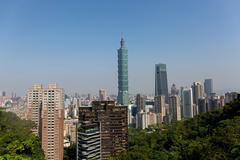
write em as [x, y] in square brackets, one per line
[122, 74]
[161, 82]
[52, 122]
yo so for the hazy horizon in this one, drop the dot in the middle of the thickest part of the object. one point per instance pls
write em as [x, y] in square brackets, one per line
[75, 44]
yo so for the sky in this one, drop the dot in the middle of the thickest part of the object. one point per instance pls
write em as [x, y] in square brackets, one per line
[74, 43]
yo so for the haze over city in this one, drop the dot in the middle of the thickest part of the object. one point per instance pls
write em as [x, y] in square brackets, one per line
[75, 44]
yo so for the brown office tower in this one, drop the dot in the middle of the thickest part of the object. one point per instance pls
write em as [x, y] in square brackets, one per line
[34, 106]
[52, 122]
[106, 124]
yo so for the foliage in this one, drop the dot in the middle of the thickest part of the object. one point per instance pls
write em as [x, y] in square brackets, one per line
[209, 136]
[17, 142]
[70, 152]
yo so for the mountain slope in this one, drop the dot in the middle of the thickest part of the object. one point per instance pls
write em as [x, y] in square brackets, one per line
[17, 142]
[209, 136]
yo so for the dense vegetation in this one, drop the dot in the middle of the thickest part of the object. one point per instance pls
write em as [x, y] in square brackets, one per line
[70, 153]
[209, 136]
[17, 142]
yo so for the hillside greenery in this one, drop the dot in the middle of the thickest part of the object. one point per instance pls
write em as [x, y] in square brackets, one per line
[17, 142]
[209, 136]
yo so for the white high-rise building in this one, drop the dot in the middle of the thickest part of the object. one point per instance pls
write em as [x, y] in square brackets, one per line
[187, 103]
[102, 95]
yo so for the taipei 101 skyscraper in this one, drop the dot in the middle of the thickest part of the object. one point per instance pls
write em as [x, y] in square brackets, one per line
[123, 74]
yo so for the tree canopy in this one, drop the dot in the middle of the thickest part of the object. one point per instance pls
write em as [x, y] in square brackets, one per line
[208, 136]
[17, 142]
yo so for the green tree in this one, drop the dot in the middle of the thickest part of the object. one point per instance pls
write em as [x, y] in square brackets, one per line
[17, 142]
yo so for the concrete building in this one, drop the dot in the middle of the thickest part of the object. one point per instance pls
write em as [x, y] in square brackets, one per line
[102, 95]
[161, 82]
[89, 139]
[145, 119]
[231, 96]
[152, 118]
[52, 122]
[110, 121]
[140, 102]
[70, 130]
[45, 109]
[141, 120]
[187, 103]
[197, 91]
[174, 108]
[213, 103]
[34, 107]
[202, 105]
[174, 90]
[160, 108]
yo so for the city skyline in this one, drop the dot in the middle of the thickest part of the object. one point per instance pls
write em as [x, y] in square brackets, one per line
[48, 42]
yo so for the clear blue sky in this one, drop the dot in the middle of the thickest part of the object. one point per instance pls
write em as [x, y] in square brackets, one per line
[74, 43]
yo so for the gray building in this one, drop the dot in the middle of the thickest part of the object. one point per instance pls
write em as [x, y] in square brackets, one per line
[123, 74]
[161, 82]
[140, 102]
[208, 86]
[202, 102]
[197, 90]
[88, 141]
[174, 108]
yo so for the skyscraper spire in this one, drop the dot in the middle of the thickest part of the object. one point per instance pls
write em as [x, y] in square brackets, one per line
[122, 42]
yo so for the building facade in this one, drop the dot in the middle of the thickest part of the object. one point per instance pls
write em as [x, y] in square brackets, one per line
[197, 91]
[160, 108]
[52, 122]
[140, 102]
[208, 86]
[161, 82]
[174, 108]
[46, 110]
[123, 98]
[34, 107]
[187, 103]
[113, 128]
[102, 95]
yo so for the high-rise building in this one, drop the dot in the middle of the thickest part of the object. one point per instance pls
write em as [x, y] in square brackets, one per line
[102, 95]
[160, 108]
[52, 122]
[187, 103]
[175, 108]
[202, 105]
[3, 93]
[34, 107]
[197, 91]
[213, 102]
[141, 120]
[231, 96]
[161, 83]
[174, 90]
[102, 131]
[140, 102]
[89, 142]
[208, 86]
[123, 74]
[45, 109]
